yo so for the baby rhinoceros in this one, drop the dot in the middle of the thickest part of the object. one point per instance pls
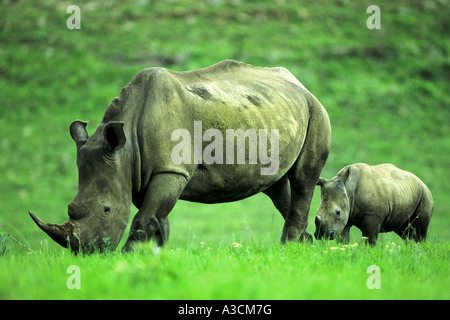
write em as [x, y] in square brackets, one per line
[375, 199]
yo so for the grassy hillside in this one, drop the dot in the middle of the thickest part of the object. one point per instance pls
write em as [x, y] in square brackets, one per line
[386, 92]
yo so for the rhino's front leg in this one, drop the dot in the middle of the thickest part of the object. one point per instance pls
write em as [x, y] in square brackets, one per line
[162, 234]
[370, 228]
[162, 193]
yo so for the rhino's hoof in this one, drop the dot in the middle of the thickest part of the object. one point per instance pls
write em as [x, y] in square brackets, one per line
[306, 237]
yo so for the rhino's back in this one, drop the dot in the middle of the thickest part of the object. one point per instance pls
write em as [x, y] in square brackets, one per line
[389, 191]
[232, 95]
[238, 95]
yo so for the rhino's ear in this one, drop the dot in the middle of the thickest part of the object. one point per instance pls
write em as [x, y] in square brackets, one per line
[348, 179]
[114, 136]
[78, 132]
[321, 181]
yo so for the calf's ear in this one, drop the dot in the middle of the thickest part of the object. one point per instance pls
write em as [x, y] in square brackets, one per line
[78, 132]
[114, 136]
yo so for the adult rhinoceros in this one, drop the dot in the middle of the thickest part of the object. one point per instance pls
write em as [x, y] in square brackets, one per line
[130, 157]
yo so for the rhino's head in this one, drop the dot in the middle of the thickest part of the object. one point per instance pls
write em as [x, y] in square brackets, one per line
[100, 211]
[334, 208]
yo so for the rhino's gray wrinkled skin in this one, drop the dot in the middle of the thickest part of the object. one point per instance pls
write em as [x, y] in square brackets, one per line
[128, 158]
[375, 199]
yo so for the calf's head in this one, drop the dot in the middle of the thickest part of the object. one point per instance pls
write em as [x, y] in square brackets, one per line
[99, 213]
[335, 204]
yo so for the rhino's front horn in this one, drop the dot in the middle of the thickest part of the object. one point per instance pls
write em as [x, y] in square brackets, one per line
[59, 233]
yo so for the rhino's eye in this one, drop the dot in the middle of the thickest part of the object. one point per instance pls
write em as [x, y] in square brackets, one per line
[107, 209]
[338, 213]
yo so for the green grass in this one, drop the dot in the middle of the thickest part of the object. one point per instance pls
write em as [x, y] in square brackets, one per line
[386, 92]
[231, 260]
[250, 270]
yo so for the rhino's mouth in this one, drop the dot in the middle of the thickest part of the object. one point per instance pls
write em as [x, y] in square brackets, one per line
[331, 234]
[325, 233]
[99, 245]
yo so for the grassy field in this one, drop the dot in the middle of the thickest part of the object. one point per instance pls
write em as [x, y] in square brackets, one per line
[252, 270]
[386, 92]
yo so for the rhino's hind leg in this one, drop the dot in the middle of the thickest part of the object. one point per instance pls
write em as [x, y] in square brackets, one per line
[422, 216]
[296, 219]
[305, 173]
[417, 226]
[280, 194]
[151, 221]
[407, 232]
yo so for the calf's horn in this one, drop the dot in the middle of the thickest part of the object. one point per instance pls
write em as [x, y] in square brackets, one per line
[59, 233]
